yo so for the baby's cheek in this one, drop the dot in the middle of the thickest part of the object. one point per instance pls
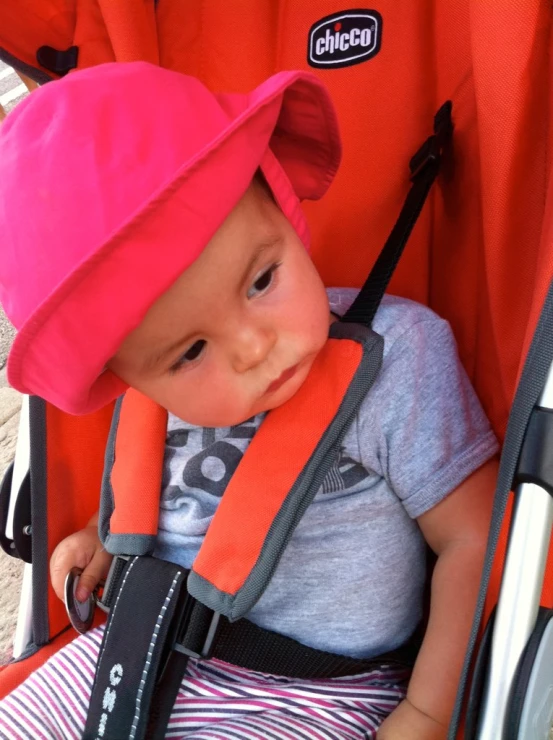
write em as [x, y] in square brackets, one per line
[212, 404]
[316, 326]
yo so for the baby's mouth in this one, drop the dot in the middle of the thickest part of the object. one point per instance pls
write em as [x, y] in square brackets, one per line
[283, 378]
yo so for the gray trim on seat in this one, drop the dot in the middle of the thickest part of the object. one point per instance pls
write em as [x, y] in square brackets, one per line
[39, 519]
[38, 75]
[117, 544]
[107, 500]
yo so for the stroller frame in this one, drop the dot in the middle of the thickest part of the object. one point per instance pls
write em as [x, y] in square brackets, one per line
[519, 598]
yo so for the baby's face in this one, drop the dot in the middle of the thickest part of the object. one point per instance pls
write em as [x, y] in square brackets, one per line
[238, 332]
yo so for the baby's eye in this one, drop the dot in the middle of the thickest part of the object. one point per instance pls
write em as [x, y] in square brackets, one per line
[263, 282]
[194, 351]
[191, 354]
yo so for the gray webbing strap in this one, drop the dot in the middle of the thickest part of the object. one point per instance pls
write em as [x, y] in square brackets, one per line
[536, 367]
[38, 468]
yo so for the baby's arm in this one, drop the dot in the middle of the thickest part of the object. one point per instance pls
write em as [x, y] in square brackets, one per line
[457, 530]
[82, 550]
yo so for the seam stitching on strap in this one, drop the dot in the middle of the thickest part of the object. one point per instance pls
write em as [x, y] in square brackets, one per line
[148, 662]
[115, 606]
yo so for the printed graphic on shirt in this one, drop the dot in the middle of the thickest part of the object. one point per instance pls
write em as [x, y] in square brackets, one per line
[345, 38]
[204, 460]
[345, 473]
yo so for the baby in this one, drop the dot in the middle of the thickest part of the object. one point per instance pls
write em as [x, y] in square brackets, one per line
[169, 254]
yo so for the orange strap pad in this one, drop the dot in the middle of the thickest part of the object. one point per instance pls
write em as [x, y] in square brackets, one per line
[264, 477]
[137, 467]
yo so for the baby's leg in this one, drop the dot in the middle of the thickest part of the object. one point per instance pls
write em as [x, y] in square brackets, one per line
[218, 701]
[276, 725]
[52, 703]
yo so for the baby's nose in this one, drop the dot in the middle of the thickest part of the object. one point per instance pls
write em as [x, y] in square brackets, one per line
[251, 347]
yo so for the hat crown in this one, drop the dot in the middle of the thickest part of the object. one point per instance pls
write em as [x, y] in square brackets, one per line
[80, 156]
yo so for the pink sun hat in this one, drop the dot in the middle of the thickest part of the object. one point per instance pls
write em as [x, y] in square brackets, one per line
[112, 181]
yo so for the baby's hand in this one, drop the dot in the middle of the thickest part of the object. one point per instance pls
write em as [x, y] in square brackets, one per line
[82, 550]
[406, 722]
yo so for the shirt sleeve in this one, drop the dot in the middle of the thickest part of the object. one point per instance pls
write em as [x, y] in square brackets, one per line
[421, 426]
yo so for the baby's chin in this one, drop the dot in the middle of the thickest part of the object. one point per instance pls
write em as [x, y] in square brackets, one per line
[218, 419]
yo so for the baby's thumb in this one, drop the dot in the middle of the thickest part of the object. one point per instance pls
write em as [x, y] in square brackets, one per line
[91, 576]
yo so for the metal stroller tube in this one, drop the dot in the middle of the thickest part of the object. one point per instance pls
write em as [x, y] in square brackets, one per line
[520, 593]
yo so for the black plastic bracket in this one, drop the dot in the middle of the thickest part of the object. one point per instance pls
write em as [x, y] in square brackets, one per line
[535, 464]
[22, 521]
[59, 62]
[22, 544]
[431, 151]
[5, 494]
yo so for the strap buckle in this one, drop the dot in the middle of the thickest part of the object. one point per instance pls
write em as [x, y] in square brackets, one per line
[196, 628]
[193, 630]
[194, 625]
[431, 151]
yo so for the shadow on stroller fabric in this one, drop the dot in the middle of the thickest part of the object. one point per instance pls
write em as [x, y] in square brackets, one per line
[480, 255]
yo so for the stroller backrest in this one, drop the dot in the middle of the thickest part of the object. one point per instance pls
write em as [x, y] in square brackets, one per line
[477, 255]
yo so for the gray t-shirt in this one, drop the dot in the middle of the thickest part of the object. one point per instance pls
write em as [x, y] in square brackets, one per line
[351, 579]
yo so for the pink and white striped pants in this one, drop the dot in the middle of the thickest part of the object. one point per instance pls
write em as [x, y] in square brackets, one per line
[216, 701]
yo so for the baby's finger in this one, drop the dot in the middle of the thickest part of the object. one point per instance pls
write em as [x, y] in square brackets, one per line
[61, 563]
[91, 576]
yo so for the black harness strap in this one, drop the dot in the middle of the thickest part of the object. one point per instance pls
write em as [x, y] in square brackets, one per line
[424, 167]
[244, 644]
[131, 652]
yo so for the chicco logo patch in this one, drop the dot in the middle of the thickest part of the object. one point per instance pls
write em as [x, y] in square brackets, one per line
[345, 38]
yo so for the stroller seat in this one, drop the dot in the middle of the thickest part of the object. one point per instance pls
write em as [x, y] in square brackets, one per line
[480, 255]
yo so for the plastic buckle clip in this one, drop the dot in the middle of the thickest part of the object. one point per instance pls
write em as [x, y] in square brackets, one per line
[207, 646]
[58, 61]
[195, 632]
[431, 151]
